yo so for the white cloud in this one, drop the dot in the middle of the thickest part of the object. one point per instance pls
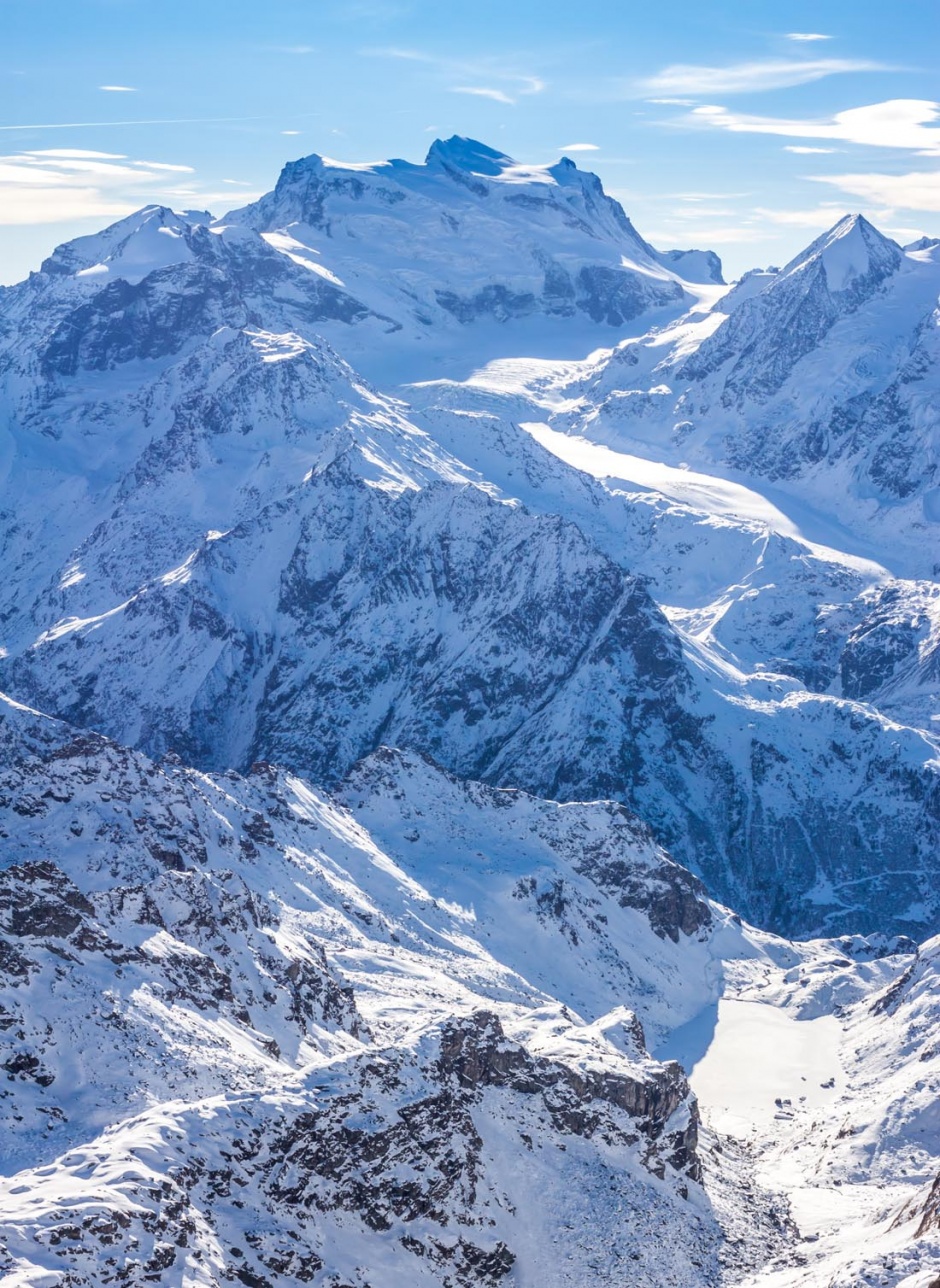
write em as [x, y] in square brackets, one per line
[50, 185]
[118, 89]
[897, 123]
[903, 235]
[194, 199]
[30, 169]
[77, 154]
[721, 235]
[709, 196]
[806, 35]
[806, 152]
[290, 131]
[744, 78]
[482, 91]
[88, 125]
[162, 165]
[393, 51]
[26, 205]
[819, 217]
[516, 82]
[919, 190]
[579, 147]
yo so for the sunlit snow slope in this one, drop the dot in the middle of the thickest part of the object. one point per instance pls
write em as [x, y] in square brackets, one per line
[447, 458]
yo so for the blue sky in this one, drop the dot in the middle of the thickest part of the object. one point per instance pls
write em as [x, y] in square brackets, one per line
[743, 126]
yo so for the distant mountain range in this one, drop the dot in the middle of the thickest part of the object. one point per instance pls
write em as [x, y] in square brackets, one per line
[352, 542]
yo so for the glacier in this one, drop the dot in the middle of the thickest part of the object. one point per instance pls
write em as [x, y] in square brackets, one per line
[469, 767]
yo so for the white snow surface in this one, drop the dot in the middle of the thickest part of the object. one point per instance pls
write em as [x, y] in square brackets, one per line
[189, 906]
[349, 465]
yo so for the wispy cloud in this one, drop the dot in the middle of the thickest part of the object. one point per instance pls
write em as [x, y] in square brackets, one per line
[100, 125]
[163, 166]
[720, 235]
[709, 196]
[807, 36]
[49, 185]
[579, 147]
[484, 91]
[819, 217]
[897, 123]
[744, 78]
[74, 154]
[806, 152]
[395, 51]
[501, 82]
[919, 190]
[118, 89]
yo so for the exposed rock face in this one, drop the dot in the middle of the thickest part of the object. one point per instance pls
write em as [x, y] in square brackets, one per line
[769, 333]
[433, 615]
[248, 975]
[250, 553]
[472, 235]
[930, 1219]
[477, 1054]
[395, 1024]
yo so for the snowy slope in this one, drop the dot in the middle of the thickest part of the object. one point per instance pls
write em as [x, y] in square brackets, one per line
[369, 603]
[379, 1045]
[823, 382]
[458, 248]
[251, 1030]
[447, 457]
[247, 550]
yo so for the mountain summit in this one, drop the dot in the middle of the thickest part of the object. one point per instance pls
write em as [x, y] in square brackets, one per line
[470, 236]
[469, 771]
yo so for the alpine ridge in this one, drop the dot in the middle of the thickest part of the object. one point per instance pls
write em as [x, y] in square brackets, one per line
[469, 761]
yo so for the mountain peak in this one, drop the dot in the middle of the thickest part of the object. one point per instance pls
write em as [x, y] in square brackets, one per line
[853, 250]
[152, 237]
[460, 153]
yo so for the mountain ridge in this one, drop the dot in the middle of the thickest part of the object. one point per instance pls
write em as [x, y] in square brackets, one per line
[483, 831]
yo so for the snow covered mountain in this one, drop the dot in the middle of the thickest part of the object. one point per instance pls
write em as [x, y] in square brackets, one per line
[384, 1034]
[472, 236]
[256, 1033]
[824, 382]
[402, 456]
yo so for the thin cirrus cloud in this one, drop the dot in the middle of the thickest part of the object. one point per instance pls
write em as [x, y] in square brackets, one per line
[719, 235]
[118, 89]
[49, 185]
[74, 154]
[87, 125]
[744, 78]
[484, 91]
[801, 151]
[919, 190]
[897, 123]
[501, 84]
[807, 36]
[819, 217]
[579, 147]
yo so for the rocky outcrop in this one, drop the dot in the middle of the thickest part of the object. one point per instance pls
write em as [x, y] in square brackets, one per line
[231, 1021]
